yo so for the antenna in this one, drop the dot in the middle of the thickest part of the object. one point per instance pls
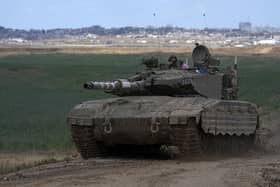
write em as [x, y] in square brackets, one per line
[156, 26]
[204, 20]
[235, 63]
[158, 38]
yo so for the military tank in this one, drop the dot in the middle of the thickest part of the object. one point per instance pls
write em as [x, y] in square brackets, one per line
[191, 109]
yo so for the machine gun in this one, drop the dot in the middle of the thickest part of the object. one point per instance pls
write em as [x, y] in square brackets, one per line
[151, 63]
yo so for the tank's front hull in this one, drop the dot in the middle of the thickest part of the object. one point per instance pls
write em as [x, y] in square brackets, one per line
[138, 131]
[159, 120]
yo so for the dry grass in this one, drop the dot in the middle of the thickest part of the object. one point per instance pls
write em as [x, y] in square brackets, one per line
[27, 50]
[11, 162]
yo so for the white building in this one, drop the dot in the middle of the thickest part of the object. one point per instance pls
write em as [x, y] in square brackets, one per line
[266, 42]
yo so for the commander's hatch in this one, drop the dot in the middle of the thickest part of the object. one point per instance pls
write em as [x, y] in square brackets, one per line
[202, 58]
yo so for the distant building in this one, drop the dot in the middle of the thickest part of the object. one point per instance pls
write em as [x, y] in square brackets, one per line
[173, 41]
[141, 41]
[245, 26]
[266, 42]
[17, 40]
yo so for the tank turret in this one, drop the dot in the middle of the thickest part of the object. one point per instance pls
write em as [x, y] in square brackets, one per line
[204, 79]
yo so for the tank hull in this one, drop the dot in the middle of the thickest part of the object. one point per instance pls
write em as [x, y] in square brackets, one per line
[161, 120]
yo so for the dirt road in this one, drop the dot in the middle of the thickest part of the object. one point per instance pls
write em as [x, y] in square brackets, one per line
[246, 171]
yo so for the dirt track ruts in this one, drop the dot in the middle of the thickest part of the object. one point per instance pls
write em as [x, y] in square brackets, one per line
[246, 171]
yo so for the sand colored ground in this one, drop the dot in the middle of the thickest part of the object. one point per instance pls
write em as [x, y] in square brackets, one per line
[252, 170]
[10, 162]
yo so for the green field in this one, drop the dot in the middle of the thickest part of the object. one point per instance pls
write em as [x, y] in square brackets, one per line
[37, 91]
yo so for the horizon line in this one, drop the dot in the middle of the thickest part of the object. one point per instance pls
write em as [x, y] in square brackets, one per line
[145, 27]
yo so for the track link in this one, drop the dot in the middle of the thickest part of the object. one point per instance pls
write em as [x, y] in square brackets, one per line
[187, 139]
[87, 146]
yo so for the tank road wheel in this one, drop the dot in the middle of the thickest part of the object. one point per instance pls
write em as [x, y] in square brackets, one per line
[187, 138]
[83, 137]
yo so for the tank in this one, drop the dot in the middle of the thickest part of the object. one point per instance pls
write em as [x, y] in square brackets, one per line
[189, 107]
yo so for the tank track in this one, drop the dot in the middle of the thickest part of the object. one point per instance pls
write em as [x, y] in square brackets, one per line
[191, 141]
[87, 146]
[187, 138]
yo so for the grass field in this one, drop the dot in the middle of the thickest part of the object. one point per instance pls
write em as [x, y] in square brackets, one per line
[37, 91]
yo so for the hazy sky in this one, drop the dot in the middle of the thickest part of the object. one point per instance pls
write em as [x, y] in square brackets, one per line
[45, 14]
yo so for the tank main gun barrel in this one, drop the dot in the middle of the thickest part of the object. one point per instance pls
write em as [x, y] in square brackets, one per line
[118, 87]
[101, 85]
